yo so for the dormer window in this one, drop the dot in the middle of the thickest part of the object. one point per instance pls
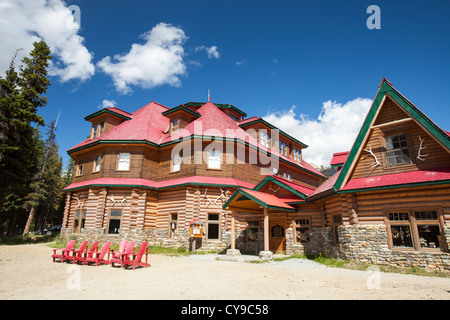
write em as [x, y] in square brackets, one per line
[283, 148]
[98, 130]
[123, 162]
[80, 168]
[174, 126]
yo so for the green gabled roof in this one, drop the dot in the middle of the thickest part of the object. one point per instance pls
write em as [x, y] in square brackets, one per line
[267, 124]
[285, 186]
[181, 108]
[219, 105]
[386, 88]
[109, 111]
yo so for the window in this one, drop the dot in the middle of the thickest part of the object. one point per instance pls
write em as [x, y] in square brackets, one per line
[397, 151]
[302, 230]
[414, 229]
[264, 138]
[337, 221]
[213, 226]
[123, 162]
[80, 168]
[214, 159]
[252, 230]
[78, 221]
[98, 130]
[287, 176]
[173, 222]
[115, 217]
[176, 163]
[277, 231]
[283, 148]
[297, 155]
[232, 116]
[174, 126]
[97, 163]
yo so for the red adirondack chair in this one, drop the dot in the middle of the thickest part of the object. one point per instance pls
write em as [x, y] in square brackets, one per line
[88, 253]
[135, 261]
[122, 247]
[99, 257]
[65, 252]
[78, 253]
[124, 255]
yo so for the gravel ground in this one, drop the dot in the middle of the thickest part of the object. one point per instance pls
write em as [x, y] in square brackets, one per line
[27, 272]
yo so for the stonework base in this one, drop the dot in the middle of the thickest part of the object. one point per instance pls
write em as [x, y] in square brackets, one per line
[233, 252]
[266, 255]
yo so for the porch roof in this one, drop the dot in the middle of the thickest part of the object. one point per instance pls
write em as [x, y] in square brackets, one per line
[251, 199]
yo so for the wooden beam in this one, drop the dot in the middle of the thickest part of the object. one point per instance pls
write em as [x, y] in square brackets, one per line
[391, 123]
[233, 229]
[266, 229]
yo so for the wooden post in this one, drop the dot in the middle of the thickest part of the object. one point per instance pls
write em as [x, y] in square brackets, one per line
[233, 218]
[266, 229]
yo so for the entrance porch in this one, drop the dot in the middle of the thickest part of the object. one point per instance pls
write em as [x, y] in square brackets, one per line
[260, 206]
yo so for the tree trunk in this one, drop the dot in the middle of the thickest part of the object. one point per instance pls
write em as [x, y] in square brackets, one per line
[30, 219]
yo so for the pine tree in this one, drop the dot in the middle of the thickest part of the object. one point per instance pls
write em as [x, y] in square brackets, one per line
[21, 94]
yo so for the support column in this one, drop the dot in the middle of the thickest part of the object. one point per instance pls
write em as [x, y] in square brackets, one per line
[266, 254]
[233, 251]
[266, 229]
[233, 229]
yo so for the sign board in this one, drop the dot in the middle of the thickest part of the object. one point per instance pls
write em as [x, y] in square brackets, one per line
[196, 229]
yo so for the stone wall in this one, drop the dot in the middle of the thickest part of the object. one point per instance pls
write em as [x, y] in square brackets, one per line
[369, 243]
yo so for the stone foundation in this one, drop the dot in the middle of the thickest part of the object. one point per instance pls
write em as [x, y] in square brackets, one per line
[369, 243]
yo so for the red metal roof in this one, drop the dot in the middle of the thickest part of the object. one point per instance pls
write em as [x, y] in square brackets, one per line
[162, 184]
[414, 177]
[298, 187]
[269, 199]
[339, 158]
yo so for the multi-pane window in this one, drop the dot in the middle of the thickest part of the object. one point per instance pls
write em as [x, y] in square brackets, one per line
[80, 168]
[297, 155]
[176, 163]
[283, 148]
[214, 159]
[98, 130]
[173, 223]
[397, 151]
[287, 176]
[213, 226]
[115, 217]
[78, 221]
[264, 138]
[97, 163]
[174, 126]
[414, 229]
[277, 231]
[252, 230]
[123, 162]
[302, 230]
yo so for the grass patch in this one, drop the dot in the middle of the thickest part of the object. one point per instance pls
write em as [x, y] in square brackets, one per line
[28, 239]
[168, 251]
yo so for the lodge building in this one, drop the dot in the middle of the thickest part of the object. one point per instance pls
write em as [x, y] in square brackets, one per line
[154, 173]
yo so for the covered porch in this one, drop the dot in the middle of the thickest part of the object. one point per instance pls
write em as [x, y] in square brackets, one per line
[272, 210]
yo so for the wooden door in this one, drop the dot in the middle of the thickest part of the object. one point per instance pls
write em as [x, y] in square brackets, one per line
[277, 235]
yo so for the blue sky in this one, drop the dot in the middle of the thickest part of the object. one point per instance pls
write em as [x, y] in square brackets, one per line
[290, 61]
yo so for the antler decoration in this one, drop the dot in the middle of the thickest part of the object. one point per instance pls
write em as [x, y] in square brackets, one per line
[373, 155]
[80, 204]
[221, 197]
[272, 189]
[207, 198]
[421, 157]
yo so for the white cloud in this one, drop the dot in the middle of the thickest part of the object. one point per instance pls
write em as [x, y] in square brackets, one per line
[24, 22]
[107, 104]
[211, 51]
[156, 62]
[334, 130]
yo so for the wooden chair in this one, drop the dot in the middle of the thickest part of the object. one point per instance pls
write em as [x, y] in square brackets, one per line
[135, 261]
[65, 252]
[100, 256]
[79, 252]
[122, 247]
[88, 253]
[124, 255]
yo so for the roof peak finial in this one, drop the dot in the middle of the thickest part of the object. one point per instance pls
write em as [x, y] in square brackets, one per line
[209, 96]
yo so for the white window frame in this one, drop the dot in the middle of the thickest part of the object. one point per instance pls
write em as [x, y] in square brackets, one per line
[123, 161]
[97, 163]
[214, 159]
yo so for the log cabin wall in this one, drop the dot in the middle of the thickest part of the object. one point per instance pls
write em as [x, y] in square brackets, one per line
[437, 157]
[364, 230]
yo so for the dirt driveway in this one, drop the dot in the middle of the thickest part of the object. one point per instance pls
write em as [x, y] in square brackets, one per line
[27, 272]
